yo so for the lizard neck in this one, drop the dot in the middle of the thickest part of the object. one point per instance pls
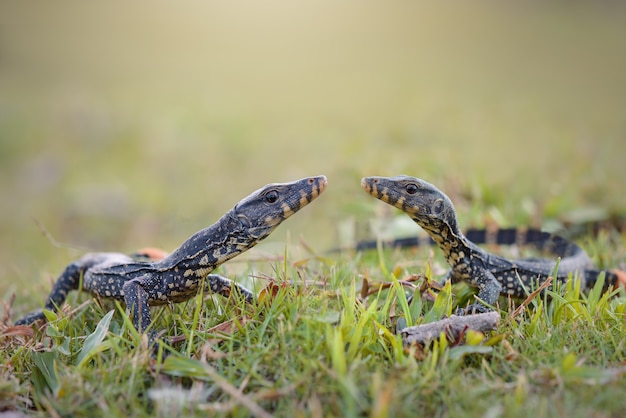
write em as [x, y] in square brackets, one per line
[207, 249]
[449, 238]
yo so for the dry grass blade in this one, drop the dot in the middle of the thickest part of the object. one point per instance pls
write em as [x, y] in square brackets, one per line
[530, 297]
[270, 394]
[369, 289]
[6, 316]
[18, 330]
[53, 240]
[80, 307]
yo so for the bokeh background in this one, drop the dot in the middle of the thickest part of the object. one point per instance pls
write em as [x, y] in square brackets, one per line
[128, 125]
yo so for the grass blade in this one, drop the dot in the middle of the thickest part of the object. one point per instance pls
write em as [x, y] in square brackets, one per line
[93, 340]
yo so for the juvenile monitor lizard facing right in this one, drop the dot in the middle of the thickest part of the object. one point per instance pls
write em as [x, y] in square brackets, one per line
[147, 278]
[491, 274]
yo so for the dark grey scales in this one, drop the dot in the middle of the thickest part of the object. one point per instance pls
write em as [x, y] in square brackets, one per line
[491, 274]
[177, 277]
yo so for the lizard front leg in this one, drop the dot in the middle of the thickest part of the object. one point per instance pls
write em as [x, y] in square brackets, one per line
[223, 286]
[138, 293]
[488, 291]
[137, 300]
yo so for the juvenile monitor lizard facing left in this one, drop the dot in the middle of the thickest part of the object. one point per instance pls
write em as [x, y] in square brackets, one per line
[178, 276]
[491, 274]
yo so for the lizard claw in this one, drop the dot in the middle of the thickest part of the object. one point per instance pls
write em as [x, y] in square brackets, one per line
[474, 308]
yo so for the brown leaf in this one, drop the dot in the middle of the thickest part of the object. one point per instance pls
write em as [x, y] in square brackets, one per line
[18, 330]
[226, 328]
[269, 292]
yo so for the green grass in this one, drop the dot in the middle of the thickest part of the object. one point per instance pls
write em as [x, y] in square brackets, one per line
[113, 140]
[315, 348]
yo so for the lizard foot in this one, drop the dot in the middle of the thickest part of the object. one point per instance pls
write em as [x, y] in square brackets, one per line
[474, 308]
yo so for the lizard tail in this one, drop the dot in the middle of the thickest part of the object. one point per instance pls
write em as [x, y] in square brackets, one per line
[149, 254]
[621, 279]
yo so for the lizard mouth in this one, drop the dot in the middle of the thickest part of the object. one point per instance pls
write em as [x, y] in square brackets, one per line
[254, 231]
[260, 232]
[244, 221]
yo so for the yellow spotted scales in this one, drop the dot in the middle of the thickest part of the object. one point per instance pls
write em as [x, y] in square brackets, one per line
[491, 274]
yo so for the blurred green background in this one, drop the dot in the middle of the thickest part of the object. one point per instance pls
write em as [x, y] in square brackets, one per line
[128, 125]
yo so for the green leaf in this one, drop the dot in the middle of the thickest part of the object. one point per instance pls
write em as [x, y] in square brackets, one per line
[52, 331]
[64, 347]
[336, 346]
[596, 292]
[442, 305]
[92, 342]
[51, 316]
[402, 299]
[185, 367]
[45, 376]
[569, 362]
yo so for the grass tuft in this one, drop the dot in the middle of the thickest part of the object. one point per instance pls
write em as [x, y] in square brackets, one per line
[315, 345]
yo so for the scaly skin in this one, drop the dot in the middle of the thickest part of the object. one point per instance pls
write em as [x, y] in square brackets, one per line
[70, 278]
[492, 236]
[178, 277]
[491, 274]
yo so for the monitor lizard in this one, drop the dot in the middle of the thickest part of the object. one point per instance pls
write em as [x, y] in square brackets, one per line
[493, 275]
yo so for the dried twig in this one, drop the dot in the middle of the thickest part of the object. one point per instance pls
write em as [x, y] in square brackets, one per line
[454, 327]
[53, 240]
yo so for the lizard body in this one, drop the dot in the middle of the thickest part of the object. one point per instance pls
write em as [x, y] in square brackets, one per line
[149, 279]
[493, 275]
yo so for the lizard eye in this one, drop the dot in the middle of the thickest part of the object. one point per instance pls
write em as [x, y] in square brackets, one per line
[411, 188]
[438, 206]
[271, 196]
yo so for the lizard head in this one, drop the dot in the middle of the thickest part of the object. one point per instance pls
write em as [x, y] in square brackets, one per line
[263, 210]
[429, 207]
